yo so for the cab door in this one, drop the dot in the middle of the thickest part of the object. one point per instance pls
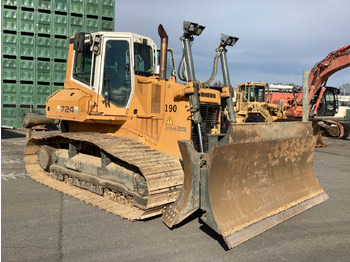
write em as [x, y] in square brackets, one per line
[116, 85]
[330, 102]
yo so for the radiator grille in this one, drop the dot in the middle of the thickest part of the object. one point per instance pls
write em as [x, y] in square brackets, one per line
[210, 115]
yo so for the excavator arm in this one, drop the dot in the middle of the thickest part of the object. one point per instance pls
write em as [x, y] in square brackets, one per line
[332, 63]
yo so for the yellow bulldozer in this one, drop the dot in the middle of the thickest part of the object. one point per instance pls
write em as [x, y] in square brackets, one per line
[251, 106]
[138, 143]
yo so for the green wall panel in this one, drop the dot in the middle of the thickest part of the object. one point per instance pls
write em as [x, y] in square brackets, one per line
[61, 6]
[29, 3]
[27, 21]
[34, 48]
[9, 44]
[27, 70]
[44, 4]
[60, 25]
[9, 69]
[9, 93]
[9, 19]
[44, 47]
[26, 94]
[27, 45]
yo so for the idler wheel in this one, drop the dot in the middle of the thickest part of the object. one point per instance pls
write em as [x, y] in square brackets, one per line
[45, 157]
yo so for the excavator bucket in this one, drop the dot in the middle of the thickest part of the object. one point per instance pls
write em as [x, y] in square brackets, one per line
[255, 177]
[317, 133]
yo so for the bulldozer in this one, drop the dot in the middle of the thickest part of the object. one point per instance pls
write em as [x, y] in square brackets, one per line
[251, 105]
[138, 143]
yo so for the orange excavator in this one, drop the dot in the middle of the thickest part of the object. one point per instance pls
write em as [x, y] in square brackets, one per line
[137, 143]
[323, 100]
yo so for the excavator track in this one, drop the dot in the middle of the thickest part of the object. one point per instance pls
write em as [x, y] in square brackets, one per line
[336, 129]
[93, 161]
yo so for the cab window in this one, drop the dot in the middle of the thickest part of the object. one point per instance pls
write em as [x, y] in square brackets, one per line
[116, 86]
[83, 65]
[245, 94]
[143, 59]
[259, 94]
[170, 69]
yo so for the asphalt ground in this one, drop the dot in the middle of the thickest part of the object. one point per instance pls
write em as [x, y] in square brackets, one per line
[41, 224]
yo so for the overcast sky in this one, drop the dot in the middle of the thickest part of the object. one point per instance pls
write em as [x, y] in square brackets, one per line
[278, 39]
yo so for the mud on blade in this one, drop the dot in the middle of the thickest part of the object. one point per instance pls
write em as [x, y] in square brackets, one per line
[256, 177]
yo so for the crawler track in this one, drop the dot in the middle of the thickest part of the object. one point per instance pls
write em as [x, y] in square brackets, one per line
[163, 174]
[343, 130]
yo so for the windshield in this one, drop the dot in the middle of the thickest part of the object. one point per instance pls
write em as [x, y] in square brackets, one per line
[116, 86]
[330, 100]
[143, 59]
[257, 93]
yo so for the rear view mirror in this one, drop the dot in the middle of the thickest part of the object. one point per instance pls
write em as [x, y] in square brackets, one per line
[81, 41]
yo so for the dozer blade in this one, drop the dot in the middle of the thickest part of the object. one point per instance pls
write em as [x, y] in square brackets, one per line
[256, 177]
[188, 200]
[315, 128]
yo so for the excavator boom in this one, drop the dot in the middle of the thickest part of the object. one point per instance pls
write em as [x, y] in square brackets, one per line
[322, 99]
[319, 74]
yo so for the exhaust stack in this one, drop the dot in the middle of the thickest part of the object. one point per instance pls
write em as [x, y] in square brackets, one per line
[163, 52]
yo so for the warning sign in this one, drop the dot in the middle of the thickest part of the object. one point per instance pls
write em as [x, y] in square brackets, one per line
[169, 121]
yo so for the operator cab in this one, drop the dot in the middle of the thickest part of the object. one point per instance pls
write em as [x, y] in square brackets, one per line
[107, 62]
[252, 92]
[329, 103]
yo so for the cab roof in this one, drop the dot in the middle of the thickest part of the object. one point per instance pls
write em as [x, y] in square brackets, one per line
[135, 37]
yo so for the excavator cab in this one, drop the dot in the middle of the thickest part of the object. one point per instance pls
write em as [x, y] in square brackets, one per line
[329, 102]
